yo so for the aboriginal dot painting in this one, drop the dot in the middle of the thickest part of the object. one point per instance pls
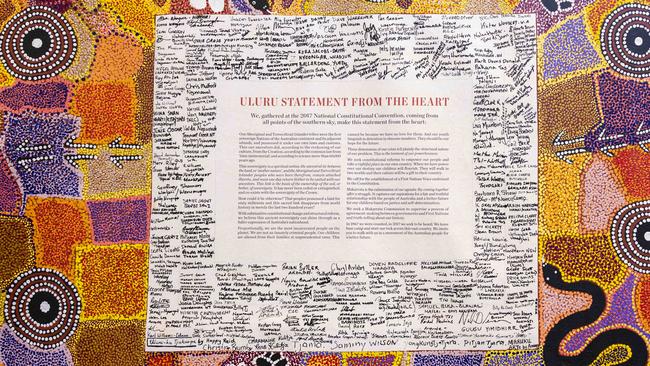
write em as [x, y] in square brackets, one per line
[76, 94]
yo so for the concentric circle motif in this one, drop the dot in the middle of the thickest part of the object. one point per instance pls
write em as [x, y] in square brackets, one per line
[631, 235]
[37, 43]
[625, 40]
[42, 307]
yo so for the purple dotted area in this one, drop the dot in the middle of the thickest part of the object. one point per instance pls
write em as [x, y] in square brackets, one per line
[447, 360]
[515, 358]
[14, 353]
[624, 102]
[621, 312]
[550, 12]
[34, 146]
[43, 95]
[117, 221]
[568, 49]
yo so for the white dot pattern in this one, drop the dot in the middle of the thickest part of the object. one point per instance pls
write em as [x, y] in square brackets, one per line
[613, 39]
[57, 58]
[21, 293]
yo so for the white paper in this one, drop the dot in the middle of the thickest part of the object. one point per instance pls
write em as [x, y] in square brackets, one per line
[368, 180]
[344, 183]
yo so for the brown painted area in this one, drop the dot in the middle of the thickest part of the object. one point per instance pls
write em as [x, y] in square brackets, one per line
[109, 343]
[568, 106]
[144, 92]
[16, 247]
